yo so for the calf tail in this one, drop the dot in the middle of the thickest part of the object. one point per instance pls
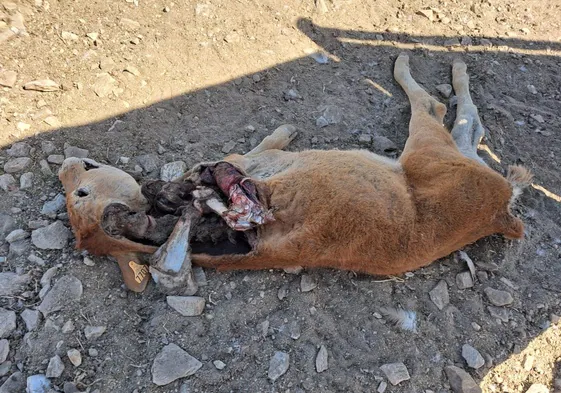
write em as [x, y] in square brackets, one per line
[519, 178]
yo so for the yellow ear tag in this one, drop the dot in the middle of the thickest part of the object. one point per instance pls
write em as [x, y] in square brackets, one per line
[140, 271]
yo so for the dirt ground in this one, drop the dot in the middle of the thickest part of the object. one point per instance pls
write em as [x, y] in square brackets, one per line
[191, 80]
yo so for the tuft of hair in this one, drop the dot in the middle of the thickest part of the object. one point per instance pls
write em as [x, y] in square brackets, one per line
[404, 319]
[519, 178]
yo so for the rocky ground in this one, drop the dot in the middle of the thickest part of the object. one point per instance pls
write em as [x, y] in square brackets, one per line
[138, 84]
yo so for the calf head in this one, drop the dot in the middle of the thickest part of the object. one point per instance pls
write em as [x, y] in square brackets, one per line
[94, 193]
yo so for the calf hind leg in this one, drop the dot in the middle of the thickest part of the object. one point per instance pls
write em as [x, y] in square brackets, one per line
[279, 139]
[468, 130]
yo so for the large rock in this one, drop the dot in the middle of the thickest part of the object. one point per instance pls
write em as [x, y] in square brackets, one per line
[188, 306]
[94, 332]
[7, 182]
[55, 367]
[19, 149]
[13, 284]
[31, 318]
[52, 207]
[67, 290]
[460, 381]
[322, 359]
[4, 350]
[7, 322]
[173, 363]
[51, 237]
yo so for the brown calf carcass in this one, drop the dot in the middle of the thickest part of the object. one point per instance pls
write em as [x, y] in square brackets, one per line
[350, 210]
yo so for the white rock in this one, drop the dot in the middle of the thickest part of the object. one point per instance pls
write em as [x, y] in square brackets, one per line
[307, 283]
[31, 319]
[395, 372]
[26, 181]
[7, 182]
[188, 306]
[173, 171]
[472, 357]
[538, 388]
[4, 350]
[439, 295]
[173, 363]
[7, 322]
[321, 359]
[44, 85]
[51, 237]
[55, 367]
[278, 365]
[93, 332]
[75, 357]
[17, 164]
[38, 384]
[219, 364]
[464, 280]
[16, 235]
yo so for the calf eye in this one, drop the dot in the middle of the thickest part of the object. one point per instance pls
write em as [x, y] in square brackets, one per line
[82, 192]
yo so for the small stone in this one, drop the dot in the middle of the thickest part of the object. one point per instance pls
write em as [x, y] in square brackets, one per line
[68, 327]
[466, 41]
[278, 365]
[89, 262]
[307, 283]
[44, 85]
[26, 181]
[173, 363]
[66, 291]
[31, 319]
[53, 121]
[93, 36]
[382, 387]
[452, 42]
[17, 164]
[427, 13]
[57, 159]
[475, 326]
[460, 381]
[321, 359]
[66, 35]
[51, 237]
[445, 89]
[93, 352]
[384, 145]
[320, 57]
[439, 295]
[498, 298]
[75, 357]
[500, 313]
[38, 384]
[464, 280]
[12, 284]
[106, 64]
[36, 224]
[532, 89]
[132, 70]
[4, 350]
[20, 247]
[365, 139]
[73, 151]
[45, 168]
[293, 270]
[538, 388]
[130, 24]
[294, 330]
[282, 292]
[395, 372]
[529, 362]
[331, 115]
[21, 126]
[188, 306]
[104, 85]
[472, 356]
[8, 78]
[200, 276]
[48, 276]
[93, 332]
[7, 322]
[55, 367]
[227, 148]
[173, 171]
[19, 149]
[292, 95]
[7, 182]
[148, 162]
[219, 364]
[17, 234]
[538, 118]
[5, 368]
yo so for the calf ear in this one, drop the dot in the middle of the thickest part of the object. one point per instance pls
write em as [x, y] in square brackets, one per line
[135, 272]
